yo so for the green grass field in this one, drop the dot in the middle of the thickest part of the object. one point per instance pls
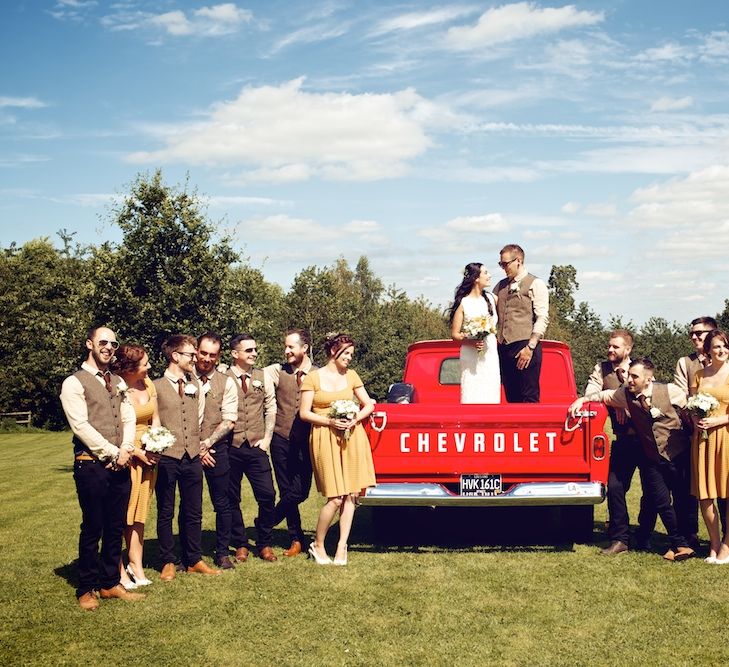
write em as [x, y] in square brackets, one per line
[462, 598]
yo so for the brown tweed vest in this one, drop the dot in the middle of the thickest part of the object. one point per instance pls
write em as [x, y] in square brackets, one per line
[250, 426]
[180, 416]
[610, 380]
[515, 310]
[288, 395]
[213, 404]
[104, 409]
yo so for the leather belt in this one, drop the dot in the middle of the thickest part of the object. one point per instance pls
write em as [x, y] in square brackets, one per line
[84, 457]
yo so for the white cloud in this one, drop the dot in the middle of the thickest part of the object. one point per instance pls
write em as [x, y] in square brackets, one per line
[223, 201]
[494, 174]
[174, 23]
[89, 200]
[363, 227]
[672, 104]
[601, 210]
[561, 252]
[461, 233]
[311, 34]
[520, 20]
[21, 102]
[335, 135]
[570, 207]
[414, 20]
[670, 52]
[282, 228]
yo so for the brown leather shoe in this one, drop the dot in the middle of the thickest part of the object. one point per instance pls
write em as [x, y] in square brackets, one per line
[294, 549]
[241, 554]
[266, 553]
[683, 553]
[88, 601]
[616, 547]
[224, 563]
[670, 555]
[119, 593]
[201, 567]
[169, 571]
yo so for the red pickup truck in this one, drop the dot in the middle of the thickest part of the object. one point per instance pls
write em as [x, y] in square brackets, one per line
[431, 451]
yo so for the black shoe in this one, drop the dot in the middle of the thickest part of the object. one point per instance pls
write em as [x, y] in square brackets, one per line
[615, 548]
[224, 563]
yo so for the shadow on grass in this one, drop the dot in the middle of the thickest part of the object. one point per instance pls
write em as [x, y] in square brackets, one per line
[502, 529]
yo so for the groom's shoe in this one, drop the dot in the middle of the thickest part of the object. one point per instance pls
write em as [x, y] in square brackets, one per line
[119, 593]
[88, 601]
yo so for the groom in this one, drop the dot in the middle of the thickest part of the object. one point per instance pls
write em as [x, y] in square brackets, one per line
[523, 310]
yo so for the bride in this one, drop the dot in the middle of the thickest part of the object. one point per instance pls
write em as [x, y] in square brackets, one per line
[475, 309]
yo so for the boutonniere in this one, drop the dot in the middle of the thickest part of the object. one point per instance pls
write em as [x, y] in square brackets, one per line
[122, 388]
[257, 385]
[190, 389]
[655, 413]
[514, 287]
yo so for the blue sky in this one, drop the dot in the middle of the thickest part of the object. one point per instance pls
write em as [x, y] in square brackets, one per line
[423, 135]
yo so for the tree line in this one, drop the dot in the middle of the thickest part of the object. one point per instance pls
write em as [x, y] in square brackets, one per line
[173, 272]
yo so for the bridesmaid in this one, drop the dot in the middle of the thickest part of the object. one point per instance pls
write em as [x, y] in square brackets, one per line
[342, 466]
[132, 364]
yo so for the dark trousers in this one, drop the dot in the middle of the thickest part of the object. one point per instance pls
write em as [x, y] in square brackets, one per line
[254, 464]
[520, 386]
[103, 496]
[666, 483]
[218, 478]
[292, 465]
[187, 474]
[625, 456]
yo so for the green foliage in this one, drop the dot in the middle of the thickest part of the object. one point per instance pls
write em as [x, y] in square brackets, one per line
[722, 318]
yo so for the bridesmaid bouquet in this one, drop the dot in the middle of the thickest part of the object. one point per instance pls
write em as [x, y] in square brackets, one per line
[344, 409]
[702, 405]
[478, 328]
[156, 439]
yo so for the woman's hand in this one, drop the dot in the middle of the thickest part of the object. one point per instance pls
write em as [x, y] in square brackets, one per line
[342, 423]
[711, 422]
[148, 458]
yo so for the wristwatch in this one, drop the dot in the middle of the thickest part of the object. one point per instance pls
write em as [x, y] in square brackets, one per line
[532, 347]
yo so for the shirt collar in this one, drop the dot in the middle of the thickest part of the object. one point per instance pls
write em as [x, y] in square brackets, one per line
[174, 379]
[91, 369]
[238, 371]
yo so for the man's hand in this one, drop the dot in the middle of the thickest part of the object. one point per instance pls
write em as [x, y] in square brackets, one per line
[575, 407]
[262, 444]
[621, 416]
[123, 457]
[524, 358]
[207, 459]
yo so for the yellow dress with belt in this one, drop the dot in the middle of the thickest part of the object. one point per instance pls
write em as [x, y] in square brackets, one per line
[340, 466]
[143, 476]
[710, 456]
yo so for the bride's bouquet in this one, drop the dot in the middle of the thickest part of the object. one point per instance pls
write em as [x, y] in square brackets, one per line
[478, 328]
[702, 405]
[344, 409]
[156, 439]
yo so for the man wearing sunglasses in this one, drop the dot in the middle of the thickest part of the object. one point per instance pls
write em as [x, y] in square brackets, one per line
[248, 454]
[103, 425]
[523, 310]
[181, 410]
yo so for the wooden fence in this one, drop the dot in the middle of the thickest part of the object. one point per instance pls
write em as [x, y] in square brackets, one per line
[24, 418]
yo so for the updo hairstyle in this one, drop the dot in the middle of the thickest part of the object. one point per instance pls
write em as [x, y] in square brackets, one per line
[127, 358]
[336, 343]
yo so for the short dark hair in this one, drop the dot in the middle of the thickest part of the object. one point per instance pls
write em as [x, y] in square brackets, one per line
[624, 334]
[716, 333]
[210, 335]
[92, 330]
[127, 358]
[175, 342]
[645, 362]
[705, 319]
[303, 335]
[336, 343]
[513, 248]
[235, 341]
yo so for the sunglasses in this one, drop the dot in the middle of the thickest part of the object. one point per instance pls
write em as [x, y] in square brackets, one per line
[192, 355]
[248, 350]
[503, 265]
[698, 334]
[114, 344]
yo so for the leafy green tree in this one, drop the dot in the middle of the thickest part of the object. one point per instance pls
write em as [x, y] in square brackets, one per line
[664, 342]
[722, 318]
[562, 285]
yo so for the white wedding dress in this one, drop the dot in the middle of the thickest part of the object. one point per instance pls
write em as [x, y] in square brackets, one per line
[480, 374]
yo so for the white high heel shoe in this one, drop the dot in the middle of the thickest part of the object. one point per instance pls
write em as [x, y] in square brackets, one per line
[341, 561]
[138, 581]
[320, 560]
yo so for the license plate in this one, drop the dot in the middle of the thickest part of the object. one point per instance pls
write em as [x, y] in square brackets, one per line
[480, 485]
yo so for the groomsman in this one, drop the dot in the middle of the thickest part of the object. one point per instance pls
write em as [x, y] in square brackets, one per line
[654, 408]
[290, 443]
[523, 310]
[103, 425]
[221, 411]
[252, 435]
[625, 451]
[181, 409]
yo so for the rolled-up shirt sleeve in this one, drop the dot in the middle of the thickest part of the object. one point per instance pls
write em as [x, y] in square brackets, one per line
[73, 401]
[269, 407]
[229, 405]
[676, 395]
[594, 383]
[540, 303]
[615, 398]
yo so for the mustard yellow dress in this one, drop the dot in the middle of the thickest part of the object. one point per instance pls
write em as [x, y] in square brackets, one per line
[710, 456]
[340, 466]
[143, 476]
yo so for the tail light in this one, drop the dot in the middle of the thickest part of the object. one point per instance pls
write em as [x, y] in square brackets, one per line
[599, 447]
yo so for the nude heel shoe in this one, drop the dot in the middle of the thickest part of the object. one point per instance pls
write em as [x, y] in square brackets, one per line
[320, 560]
[341, 561]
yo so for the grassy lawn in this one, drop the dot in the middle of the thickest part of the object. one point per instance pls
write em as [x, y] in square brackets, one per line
[462, 598]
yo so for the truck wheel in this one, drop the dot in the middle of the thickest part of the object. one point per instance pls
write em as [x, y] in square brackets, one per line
[578, 523]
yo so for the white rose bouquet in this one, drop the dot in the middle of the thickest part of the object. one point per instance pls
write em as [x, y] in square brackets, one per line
[702, 405]
[344, 409]
[478, 328]
[157, 438]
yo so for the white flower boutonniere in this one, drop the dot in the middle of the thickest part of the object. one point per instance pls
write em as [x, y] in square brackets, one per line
[122, 388]
[190, 389]
[514, 287]
[655, 413]
[257, 385]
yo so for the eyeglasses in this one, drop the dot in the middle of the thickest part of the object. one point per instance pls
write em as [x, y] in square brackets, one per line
[192, 355]
[114, 344]
[503, 265]
[698, 334]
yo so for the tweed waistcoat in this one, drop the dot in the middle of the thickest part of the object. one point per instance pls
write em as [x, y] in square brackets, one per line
[663, 436]
[288, 395]
[180, 416]
[250, 425]
[104, 410]
[693, 366]
[213, 404]
[610, 380]
[515, 310]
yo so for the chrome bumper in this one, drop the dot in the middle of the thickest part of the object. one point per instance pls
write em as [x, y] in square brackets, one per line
[528, 493]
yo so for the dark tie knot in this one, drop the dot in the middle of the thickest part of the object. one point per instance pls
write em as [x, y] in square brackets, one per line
[106, 375]
[204, 379]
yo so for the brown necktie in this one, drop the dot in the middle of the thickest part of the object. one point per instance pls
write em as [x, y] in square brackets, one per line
[299, 376]
[620, 372]
[203, 379]
[107, 379]
[644, 403]
[181, 387]
[244, 383]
